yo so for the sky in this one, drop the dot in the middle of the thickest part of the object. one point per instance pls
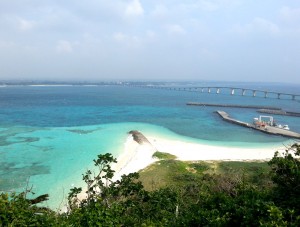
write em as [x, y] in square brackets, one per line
[223, 40]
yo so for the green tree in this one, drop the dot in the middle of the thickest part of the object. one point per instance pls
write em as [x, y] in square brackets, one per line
[209, 200]
[17, 210]
[286, 176]
[122, 202]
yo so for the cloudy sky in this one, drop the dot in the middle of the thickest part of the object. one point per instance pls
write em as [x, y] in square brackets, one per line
[232, 40]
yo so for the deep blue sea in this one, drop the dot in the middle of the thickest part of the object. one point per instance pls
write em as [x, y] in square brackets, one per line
[49, 135]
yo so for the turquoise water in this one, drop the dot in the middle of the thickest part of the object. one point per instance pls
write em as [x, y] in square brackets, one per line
[50, 135]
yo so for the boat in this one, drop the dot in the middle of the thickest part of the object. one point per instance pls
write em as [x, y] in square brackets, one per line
[263, 121]
[286, 127]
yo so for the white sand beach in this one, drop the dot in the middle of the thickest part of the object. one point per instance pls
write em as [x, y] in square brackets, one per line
[134, 158]
[138, 156]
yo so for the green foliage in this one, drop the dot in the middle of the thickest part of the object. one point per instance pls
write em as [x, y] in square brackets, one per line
[286, 176]
[229, 197]
[199, 166]
[16, 210]
[163, 155]
[123, 202]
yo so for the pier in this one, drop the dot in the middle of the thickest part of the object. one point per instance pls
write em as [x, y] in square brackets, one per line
[279, 112]
[266, 129]
[234, 106]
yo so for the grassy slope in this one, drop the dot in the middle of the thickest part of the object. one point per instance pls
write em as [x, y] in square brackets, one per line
[175, 173]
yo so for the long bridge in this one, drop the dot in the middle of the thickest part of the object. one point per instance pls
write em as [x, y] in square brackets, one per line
[232, 91]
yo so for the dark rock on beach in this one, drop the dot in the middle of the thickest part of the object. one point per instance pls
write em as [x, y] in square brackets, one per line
[138, 137]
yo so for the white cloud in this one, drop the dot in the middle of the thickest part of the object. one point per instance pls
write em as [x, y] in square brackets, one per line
[134, 8]
[290, 14]
[64, 46]
[134, 41]
[151, 35]
[264, 25]
[14, 22]
[119, 36]
[175, 29]
[128, 40]
[258, 25]
[6, 44]
[209, 5]
[26, 25]
[160, 11]
[123, 30]
[209, 54]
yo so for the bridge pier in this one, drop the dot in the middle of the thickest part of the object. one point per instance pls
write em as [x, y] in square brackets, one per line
[217, 90]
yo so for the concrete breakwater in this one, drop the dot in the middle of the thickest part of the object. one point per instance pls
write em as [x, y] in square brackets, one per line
[233, 106]
[279, 112]
[266, 129]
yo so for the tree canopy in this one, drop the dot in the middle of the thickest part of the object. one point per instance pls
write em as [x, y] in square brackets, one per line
[208, 200]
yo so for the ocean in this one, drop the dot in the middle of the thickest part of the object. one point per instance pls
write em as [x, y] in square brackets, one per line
[49, 135]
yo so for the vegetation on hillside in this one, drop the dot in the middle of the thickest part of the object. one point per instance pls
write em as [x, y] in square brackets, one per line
[163, 155]
[169, 172]
[195, 194]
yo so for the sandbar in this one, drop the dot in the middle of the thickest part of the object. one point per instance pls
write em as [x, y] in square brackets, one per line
[139, 149]
[137, 156]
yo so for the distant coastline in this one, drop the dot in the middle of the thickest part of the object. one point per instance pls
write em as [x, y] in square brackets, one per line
[137, 82]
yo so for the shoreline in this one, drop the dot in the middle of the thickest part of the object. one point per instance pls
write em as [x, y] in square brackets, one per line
[137, 156]
[139, 148]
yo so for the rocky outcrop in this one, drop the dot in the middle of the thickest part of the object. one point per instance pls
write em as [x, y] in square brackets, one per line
[139, 137]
